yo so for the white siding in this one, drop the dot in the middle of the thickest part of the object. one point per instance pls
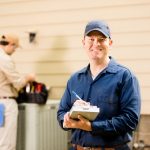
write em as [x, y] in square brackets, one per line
[58, 52]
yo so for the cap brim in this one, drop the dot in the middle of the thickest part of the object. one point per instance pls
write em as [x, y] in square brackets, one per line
[97, 29]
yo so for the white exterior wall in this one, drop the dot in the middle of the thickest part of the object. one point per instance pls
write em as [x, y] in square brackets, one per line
[58, 51]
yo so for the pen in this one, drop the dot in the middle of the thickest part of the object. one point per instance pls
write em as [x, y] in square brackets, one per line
[76, 95]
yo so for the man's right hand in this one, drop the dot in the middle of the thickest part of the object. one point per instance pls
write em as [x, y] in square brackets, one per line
[81, 103]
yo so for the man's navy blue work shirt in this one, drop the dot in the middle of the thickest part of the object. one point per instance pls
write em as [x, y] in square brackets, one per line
[116, 92]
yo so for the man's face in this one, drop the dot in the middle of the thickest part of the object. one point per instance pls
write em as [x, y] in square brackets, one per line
[10, 48]
[97, 45]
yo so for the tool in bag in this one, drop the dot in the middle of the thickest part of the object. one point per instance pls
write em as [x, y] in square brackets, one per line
[34, 92]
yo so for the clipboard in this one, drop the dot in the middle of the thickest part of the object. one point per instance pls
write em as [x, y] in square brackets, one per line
[88, 112]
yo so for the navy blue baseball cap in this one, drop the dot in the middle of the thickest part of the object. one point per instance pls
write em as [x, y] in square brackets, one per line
[98, 25]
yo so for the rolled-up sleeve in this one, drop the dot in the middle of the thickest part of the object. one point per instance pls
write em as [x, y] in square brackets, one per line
[13, 76]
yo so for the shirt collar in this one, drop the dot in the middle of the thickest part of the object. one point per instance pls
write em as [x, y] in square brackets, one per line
[2, 51]
[112, 67]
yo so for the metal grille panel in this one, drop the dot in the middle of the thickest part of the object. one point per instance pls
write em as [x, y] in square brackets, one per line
[38, 128]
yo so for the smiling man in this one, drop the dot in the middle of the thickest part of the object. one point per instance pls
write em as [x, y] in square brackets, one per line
[108, 85]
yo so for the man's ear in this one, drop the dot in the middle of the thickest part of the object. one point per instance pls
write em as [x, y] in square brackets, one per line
[83, 41]
[110, 42]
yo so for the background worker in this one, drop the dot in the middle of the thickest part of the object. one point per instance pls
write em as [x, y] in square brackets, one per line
[10, 82]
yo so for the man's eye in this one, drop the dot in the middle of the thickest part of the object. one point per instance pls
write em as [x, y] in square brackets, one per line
[91, 39]
[101, 39]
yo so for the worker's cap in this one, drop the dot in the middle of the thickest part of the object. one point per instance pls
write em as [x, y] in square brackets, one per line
[98, 25]
[9, 38]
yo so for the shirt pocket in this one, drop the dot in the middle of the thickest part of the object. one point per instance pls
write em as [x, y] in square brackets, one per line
[108, 98]
[108, 105]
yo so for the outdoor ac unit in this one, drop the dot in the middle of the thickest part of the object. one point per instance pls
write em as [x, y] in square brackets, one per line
[38, 128]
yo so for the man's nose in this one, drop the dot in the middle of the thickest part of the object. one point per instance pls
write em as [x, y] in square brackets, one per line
[96, 42]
